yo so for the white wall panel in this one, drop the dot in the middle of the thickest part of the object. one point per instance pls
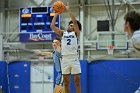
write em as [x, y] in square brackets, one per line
[42, 78]
[72, 2]
[28, 3]
[96, 13]
[20, 3]
[38, 88]
[14, 21]
[116, 1]
[65, 18]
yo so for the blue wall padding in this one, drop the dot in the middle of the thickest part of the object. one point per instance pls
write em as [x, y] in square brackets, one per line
[114, 76]
[19, 77]
[3, 76]
[84, 78]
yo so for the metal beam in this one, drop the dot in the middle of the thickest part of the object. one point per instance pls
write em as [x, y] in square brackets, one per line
[1, 47]
[113, 15]
[2, 29]
[82, 19]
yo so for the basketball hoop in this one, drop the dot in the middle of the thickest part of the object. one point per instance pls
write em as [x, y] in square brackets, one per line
[110, 49]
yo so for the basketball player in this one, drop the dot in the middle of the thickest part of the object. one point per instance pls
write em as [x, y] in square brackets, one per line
[132, 27]
[56, 54]
[69, 44]
[138, 90]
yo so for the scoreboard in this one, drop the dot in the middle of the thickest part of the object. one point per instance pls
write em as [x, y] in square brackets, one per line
[35, 24]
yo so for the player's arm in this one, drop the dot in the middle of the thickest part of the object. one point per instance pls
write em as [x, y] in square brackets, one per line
[76, 28]
[38, 52]
[54, 28]
[49, 54]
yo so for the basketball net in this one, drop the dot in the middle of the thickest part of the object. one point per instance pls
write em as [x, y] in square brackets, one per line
[110, 49]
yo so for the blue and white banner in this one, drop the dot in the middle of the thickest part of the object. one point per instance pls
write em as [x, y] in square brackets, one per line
[37, 37]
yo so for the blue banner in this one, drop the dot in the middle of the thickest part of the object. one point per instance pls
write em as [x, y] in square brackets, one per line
[37, 37]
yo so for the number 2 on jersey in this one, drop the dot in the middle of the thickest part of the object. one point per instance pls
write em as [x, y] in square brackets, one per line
[68, 41]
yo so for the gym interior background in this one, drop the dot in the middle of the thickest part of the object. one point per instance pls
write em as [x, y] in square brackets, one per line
[23, 72]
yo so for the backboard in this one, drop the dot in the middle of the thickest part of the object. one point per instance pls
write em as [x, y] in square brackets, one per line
[117, 39]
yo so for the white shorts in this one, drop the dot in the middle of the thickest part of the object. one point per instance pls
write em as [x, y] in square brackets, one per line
[70, 66]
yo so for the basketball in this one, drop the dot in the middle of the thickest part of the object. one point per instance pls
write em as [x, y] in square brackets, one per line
[58, 7]
[59, 89]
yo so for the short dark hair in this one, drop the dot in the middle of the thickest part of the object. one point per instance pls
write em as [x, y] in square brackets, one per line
[78, 23]
[57, 38]
[134, 20]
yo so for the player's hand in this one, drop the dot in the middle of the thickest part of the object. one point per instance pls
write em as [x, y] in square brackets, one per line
[56, 14]
[37, 52]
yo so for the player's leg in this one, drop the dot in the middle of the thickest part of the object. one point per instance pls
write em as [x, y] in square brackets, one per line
[65, 64]
[76, 70]
[77, 83]
[59, 86]
[59, 78]
[66, 78]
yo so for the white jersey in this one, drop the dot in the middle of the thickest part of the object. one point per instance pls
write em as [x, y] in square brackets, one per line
[136, 41]
[69, 43]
